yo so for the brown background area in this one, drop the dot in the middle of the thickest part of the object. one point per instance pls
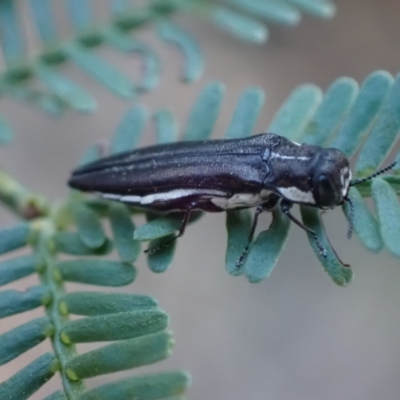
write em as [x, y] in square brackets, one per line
[296, 335]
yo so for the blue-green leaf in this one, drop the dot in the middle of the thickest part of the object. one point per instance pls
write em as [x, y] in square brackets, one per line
[340, 273]
[165, 385]
[320, 8]
[388, 213]
[129, 130]
[194, 62]
[274, 10]
[151, 69]
[161, 259]
[89, 226]
[246, 113]
[362, 116]
[70, 92]
[42, 13]
[6, 133]
[17, 268]
[166, 126]
[11, 36]
[59, 395]
[205, 112]
[121, 355]
[28, 380]
[158, 228]
[123, 228]
[13, 302]
[99, 303]
[238, 225]
[101, 70]
[336, 104]
[365, 225]
[383, 136]
[266, 249]
[296, 111]
[80, 13]
[71, 243]
[110, 327]
[243, 27]
[24, 337]
[97, 272]
[14, 237]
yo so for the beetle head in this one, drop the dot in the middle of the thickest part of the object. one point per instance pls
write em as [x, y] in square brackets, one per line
[331, 178]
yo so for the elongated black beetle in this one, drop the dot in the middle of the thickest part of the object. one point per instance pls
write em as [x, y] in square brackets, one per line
[265, 170]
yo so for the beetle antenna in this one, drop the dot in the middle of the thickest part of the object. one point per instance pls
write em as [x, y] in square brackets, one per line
[382, 171]
[351, 217]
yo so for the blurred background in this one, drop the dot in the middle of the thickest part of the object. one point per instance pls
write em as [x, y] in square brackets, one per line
[296, 335]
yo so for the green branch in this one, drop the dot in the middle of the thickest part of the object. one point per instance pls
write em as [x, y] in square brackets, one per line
[19, 199]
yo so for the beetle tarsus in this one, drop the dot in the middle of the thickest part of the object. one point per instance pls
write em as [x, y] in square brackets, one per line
[242, 257]
[185, 221]
[285, 208]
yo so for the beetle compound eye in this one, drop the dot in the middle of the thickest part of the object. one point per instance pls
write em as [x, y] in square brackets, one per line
[327, 196]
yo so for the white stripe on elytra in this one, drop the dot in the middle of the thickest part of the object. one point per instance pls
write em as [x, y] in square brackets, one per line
[163, 196]
[241, 200]
[282, 157]
[296, 195]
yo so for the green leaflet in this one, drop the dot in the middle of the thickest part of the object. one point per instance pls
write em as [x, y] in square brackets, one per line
[151, 68]
[110, 327]
[383, 136]
[239, 25]
[97, 272]
[67, 90]
[121, 355]
[99, 303]
[24, 337]
[340, 273]
[320, 8]
[89, 226]
[17, 268]
[14, 237]
[296, 111]
[123, 228]
[158, 228]
[336, 104]
[363, 114]
[194, 62]
[71, 243]
[246, 113]
[159, 261]
[166, 126]
[365, 225]
[388, 213]
[6, 133]
[129, 130]
[274, 10]
[165, 385]
[238, 225]
[14, 302]
[28, 380]
[205, 112]
[266, 249]
[101, 70]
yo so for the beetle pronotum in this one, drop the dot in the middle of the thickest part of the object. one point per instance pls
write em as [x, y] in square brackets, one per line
[263, 171]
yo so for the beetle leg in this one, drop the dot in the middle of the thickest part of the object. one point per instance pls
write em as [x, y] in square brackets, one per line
[259, 210]
[181, 231]
[285, 208]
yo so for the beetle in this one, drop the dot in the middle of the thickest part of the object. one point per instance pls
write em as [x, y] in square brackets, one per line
[263, 171]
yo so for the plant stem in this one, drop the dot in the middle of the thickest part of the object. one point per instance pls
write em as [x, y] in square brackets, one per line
[20, 200]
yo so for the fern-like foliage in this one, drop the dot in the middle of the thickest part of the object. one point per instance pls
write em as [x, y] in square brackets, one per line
[365, 119]
[242, 18]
